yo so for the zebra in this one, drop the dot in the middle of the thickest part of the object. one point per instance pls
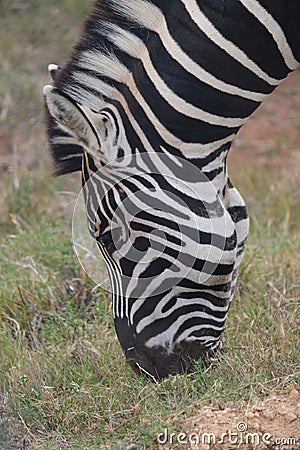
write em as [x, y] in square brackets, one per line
[146, 108]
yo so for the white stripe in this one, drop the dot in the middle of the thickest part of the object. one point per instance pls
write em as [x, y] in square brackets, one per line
[65, 140]
[109, 66]
[189, 150]
[137, 49]
[180, 303]
[205, 339]
[116, 283]
[72, 156]
[151, 285]
[186, 335]
[151, 17]
[165, 338]
[229, 47]
[274, 29]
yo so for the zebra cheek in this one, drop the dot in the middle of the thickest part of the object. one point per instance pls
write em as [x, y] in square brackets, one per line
[125, 333]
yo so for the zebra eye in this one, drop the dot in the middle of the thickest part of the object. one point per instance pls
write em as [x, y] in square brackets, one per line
[106, 239]
[110, 239]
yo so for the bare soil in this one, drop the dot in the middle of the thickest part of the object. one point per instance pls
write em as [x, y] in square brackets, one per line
[271, 137]
[272, 423]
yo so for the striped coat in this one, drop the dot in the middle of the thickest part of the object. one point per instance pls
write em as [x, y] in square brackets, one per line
[146, 108]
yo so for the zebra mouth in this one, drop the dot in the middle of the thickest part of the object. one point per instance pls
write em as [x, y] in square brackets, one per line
[160, 361]
[156, 363]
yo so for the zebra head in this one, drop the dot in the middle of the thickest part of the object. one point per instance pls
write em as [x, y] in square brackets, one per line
[168, 242]
[146, 108]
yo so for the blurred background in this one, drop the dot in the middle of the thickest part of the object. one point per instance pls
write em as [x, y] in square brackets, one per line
[58, 352]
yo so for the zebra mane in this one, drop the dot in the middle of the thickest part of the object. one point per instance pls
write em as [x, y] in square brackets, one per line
[105, 55]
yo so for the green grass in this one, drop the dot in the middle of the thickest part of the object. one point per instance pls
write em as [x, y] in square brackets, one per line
[64, 375]
[63, 379]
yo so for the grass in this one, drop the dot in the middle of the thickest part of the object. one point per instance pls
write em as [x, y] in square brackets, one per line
[63, 380]
[63, 374]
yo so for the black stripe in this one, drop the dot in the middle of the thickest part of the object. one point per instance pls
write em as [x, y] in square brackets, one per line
[238, 213]
[205, 52]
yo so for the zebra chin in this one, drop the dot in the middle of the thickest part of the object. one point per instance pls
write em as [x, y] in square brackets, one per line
[159, 362]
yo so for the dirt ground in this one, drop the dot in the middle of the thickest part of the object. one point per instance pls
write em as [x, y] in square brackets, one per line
[271, 137]
[273, 423]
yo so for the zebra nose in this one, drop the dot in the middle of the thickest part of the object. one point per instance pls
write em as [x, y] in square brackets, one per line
[157, 364]
[142, 364]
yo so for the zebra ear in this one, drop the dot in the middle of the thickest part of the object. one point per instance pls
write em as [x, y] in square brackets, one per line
[53, 70]
[72, 119]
